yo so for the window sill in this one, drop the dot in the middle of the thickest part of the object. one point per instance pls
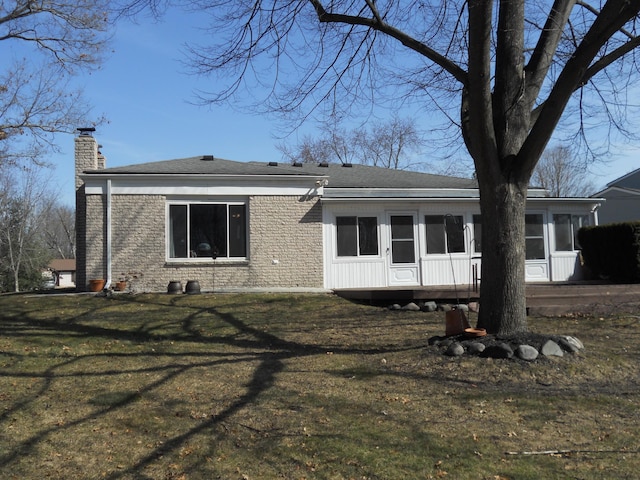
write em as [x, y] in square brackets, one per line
[206, 263]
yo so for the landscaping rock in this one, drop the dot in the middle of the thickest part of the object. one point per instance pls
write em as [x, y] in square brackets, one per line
[461, 306]
[412, 307]
[444, 307]
[528, 346]
[475, 348]
[501, 350]
[526, 352]
[575, 342]
[455, 350]
[568, 346]
[429, 307]
[551, 349]
[474, 307]
[395, 306]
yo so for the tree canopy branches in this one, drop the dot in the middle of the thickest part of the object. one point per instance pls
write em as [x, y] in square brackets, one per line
[50, 41]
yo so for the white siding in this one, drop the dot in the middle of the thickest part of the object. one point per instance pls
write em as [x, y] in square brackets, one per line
[566, 266]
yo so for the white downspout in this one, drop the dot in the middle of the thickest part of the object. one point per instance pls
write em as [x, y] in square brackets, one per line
[108, 234]
[594, 211]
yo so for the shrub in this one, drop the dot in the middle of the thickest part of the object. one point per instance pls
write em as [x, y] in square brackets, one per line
[612, 251]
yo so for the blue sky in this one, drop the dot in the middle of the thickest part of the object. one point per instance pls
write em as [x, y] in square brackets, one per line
[143, 91]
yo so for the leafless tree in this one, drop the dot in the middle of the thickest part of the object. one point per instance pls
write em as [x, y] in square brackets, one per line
[50, 42]
[25, 204]
[59, 231]
[503, 73]
[562, 175]
[394, 144]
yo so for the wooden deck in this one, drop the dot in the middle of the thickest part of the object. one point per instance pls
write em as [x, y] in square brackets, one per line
[542, 298]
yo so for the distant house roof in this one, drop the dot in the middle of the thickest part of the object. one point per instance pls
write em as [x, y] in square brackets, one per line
[63, 265]
[621, 179]
[339, 175]
[629, 183]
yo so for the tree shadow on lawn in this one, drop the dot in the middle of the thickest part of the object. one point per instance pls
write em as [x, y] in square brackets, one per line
[268, 350]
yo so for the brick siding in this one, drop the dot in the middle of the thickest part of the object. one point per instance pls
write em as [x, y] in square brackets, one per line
[285, 245]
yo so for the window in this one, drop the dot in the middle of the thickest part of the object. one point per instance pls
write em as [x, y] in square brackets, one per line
[402, 240]
[477, 234]
[566, 230]
[357, 236]
[445, 234]
[534, 236]
[207, 230]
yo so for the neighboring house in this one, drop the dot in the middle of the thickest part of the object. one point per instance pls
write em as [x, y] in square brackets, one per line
[622, 200]
[63, 271]
[301, 227]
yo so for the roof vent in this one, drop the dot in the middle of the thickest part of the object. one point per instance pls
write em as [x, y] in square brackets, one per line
[86, 131]
[347, 165]
[208, 158]
[323, 164]
[297, 164]
[272, 164]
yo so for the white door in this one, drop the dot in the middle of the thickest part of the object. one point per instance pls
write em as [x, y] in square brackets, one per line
[402, 252]
[537, 263]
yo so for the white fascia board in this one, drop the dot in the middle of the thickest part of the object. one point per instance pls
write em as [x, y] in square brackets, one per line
[567, 200]
[95, 184]
[399, 193]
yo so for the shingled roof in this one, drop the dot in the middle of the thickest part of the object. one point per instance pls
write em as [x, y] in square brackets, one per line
[339, 176]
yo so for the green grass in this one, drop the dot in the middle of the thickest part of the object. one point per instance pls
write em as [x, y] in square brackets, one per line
[300, 387]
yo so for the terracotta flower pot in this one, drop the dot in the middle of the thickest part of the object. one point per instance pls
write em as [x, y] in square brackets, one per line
[96, 285]
[121, 286]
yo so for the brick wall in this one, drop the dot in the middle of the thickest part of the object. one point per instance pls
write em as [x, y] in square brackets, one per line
[285, 245]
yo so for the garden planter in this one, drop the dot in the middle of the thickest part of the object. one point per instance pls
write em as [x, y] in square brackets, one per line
[174, 287]
[96, 285]
[121, 286]
[192, 288]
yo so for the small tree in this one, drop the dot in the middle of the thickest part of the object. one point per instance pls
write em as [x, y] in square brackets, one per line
[25, 204]
[562, 175]
[59, 231]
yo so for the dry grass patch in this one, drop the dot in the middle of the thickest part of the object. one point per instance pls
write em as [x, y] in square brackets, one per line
[300, 387]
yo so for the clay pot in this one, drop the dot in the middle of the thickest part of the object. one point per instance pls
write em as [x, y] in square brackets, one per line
[96, 285]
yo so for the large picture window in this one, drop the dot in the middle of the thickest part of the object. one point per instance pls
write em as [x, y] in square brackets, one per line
[566, 230]
[445, 234]
[357, 236]
[207, 230]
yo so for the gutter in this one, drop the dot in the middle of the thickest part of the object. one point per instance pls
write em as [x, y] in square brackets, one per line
[108, 234]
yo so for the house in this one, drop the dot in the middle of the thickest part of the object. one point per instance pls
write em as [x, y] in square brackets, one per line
[622, 199]
[63, 271]
[297, 227]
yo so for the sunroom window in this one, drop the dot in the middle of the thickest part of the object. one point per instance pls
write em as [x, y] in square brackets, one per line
[357, 236]
[566, 230]
[534, 236]
[477, 234]
[445, 233]
[207, 230]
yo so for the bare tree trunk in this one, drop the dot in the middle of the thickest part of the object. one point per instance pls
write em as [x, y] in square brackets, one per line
[502, 296]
